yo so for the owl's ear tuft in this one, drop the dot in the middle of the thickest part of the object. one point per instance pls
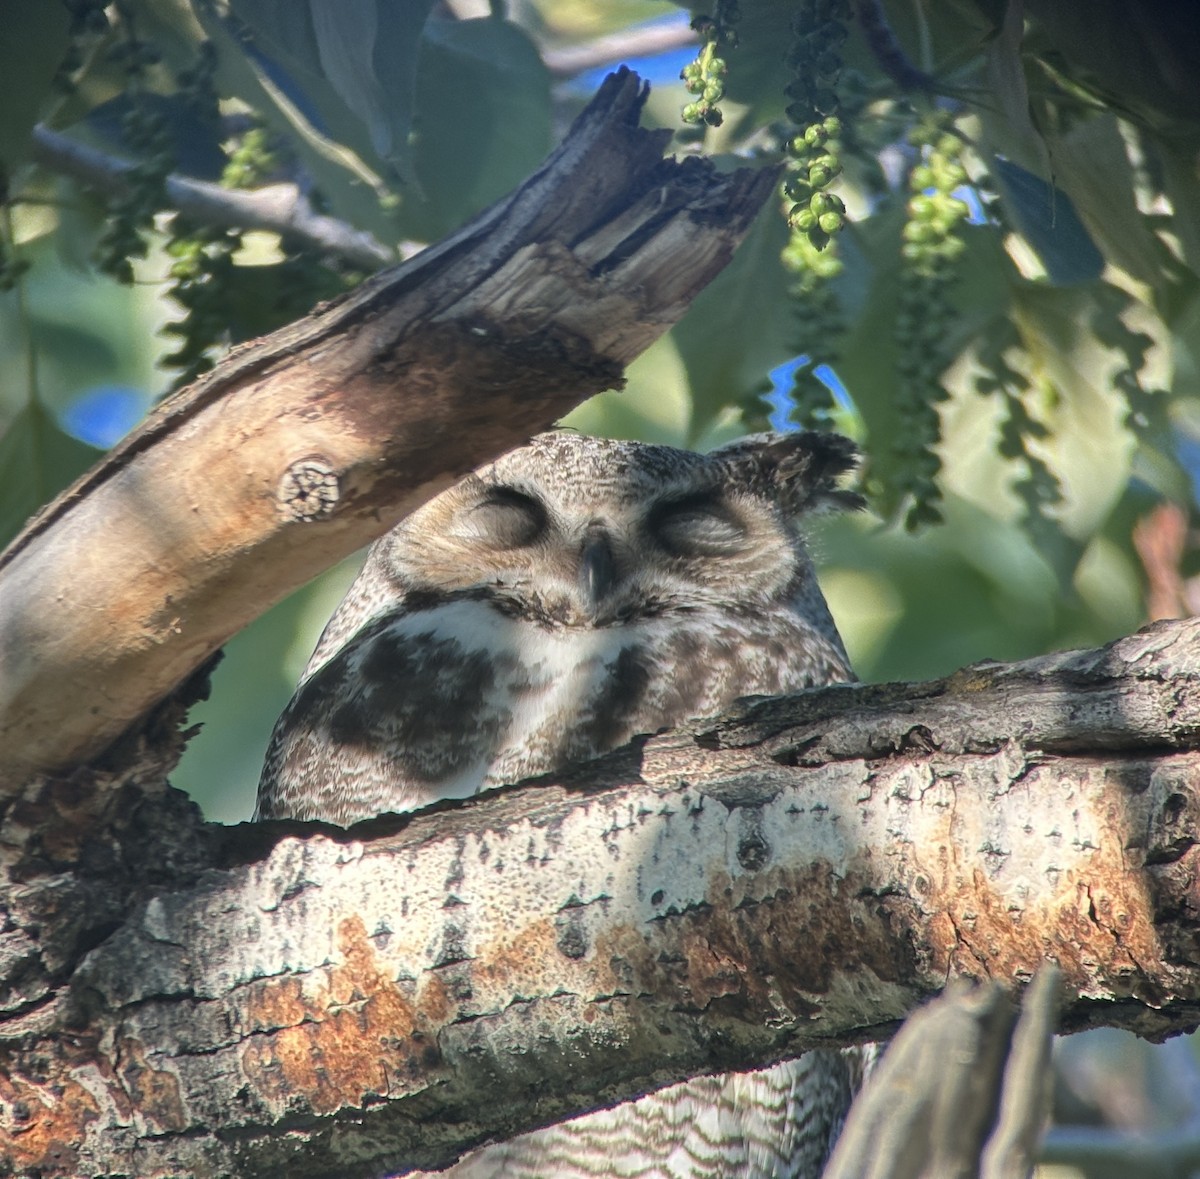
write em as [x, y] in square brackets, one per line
[801, 469]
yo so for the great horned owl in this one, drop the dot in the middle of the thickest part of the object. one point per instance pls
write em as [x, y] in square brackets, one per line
[548, 608]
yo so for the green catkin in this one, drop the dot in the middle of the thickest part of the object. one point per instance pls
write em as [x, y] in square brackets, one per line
[814, 214]
[815, 63]
[932, 243]
[145, 131]
[705, 77]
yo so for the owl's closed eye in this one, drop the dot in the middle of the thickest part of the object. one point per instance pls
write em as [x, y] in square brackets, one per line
[700, 525]
[504, 518]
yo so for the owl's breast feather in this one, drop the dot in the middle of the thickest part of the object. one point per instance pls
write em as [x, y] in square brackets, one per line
[443, 701]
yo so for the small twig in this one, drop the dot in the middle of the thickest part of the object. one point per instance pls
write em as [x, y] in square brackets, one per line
[1024, 1095]
[1112, 1152]
[282, 208]
[613, 48]
[1100, 1150]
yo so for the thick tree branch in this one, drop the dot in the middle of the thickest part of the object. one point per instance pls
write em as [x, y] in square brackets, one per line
[305, 1001]
[302, 447]
[282, 208]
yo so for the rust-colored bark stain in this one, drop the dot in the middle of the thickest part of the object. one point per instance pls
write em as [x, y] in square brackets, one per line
[804, 929]
[1097, 928]
[522, 962]
[357, 1036]
[789, 945]
[155, 1092]
[43, 1120]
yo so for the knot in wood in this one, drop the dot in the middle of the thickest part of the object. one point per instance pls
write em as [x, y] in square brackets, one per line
[308, 490]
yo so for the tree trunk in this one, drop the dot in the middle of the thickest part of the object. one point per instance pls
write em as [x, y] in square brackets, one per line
[294, 999]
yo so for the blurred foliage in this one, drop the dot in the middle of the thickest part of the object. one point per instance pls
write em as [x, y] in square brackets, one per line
[994, 245]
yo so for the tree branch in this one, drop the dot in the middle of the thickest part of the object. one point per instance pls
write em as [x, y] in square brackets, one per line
[1172, 1152]
[566, 61]
[300, 448]
[293, 999]
[282, 208]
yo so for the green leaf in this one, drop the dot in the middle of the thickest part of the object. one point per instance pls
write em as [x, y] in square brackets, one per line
[37, 460]
[1089, 446]
[1092, 166]
[1046, 219]
[758, 73]
[654, 405]
[482, 121]
[350, 65]
[740, 327]
[283, 30]
[70, 357]
[264, 298]
[1181, 186]
[251, 686]
[869, 352]
[82, 217]
[974, 588]
[368, 51]
[32, 45]
[1011, 129]
[277, 69]
[331, 153]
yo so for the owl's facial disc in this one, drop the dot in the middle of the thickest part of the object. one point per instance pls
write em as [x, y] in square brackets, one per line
[596, 554]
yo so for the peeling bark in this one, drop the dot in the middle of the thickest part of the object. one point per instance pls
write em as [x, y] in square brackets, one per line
[181, 999]
[305, 445]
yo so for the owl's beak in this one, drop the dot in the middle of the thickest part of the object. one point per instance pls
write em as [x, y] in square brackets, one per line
[597, 569]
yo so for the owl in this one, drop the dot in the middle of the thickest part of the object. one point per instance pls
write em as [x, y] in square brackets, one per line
[551, 606]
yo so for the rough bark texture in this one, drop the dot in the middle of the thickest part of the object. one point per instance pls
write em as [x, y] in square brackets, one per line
[304, 446]
[287, 999]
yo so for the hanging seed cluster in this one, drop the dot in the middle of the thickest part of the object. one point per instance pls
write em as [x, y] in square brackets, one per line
[926, 313]
[705, 77]
[814, 214]
[815, 64]
[144, 130]
[251, 159]
[1038, 488]
[1147, 408]
[211, 286]
[202, 272]
[88, 21]
[820, 322]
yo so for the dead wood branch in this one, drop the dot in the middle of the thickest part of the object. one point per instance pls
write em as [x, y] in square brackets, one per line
[302, 447]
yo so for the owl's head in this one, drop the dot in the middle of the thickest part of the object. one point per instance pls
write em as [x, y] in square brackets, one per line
[589, 532]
